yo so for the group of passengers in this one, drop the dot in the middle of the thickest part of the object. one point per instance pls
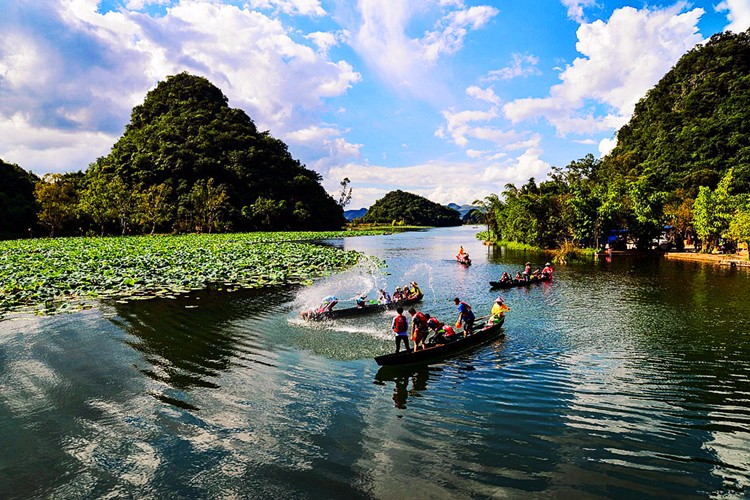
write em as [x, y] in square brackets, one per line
[423, 323]
[408, 292]
[528, 274]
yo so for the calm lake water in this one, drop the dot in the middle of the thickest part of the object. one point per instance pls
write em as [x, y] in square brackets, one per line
[622, 379]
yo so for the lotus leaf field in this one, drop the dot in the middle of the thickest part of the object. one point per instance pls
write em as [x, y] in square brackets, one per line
[50, 275]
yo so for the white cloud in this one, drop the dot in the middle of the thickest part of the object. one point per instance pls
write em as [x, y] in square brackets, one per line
[88, 70]
[621, 60]
[457, 182]
[487, 94]
[293, 7]
[452, 30]
[381, 38]
[575, 8]
[142, 4]
[738, 13]
[606, 146]
[43, 150]
[522, 65]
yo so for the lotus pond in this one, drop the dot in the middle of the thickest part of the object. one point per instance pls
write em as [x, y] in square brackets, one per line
[52, 275]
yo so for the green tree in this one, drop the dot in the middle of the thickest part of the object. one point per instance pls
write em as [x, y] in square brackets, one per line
[739, 228]
[154, 206]
[713, 211]
[17, 203]
[267, 213]
[57, 200]
[97, 200]
[346, 194]
[209, 204]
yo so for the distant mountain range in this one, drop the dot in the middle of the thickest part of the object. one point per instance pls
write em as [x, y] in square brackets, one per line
[356, 214]
[462, 209]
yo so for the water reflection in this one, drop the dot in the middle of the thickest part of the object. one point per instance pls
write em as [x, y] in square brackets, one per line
[189, 342]
[402, 377]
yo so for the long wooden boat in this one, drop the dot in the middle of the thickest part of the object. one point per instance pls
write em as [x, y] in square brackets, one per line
[515, 283]
[358, 311]
[439, 352]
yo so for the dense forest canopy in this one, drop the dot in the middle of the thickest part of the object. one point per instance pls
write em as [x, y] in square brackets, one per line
[401, 207]
[185, 140]
[17, 204]
[682, 162]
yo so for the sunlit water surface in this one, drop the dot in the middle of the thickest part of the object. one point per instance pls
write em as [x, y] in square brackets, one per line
[622, 379]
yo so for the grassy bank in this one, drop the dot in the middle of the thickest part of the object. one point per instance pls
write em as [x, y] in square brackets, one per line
[50, 275]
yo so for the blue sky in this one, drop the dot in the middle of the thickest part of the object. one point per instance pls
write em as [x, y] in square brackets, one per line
[449, 99]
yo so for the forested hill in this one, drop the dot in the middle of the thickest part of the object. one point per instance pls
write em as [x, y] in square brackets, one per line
[17, 204]
[694, 124]
[407, 208]
[216, 169]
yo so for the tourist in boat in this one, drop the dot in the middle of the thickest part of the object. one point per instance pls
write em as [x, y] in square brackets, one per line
[518, 276]
[360, 299]
[499, 308]
[527, 272]
[385, 297]
[442, 333]
[548, 271]
[505, 278]
[460, 255]
[327, 304]
[418, 328]
[414, 290]
[465, 316]
[400, 327]
[398, 294]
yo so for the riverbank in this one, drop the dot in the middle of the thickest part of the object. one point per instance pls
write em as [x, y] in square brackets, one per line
[731, 260]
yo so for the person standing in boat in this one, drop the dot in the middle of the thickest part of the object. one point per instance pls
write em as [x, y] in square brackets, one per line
[527, 271]
[548, 271]
[465, 316]
[400, 327]
[418, 328]
[499, 308]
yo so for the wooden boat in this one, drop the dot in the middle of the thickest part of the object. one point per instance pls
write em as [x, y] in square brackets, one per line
[515, 283]
[438, 352]
[466, 261]
[357, 311]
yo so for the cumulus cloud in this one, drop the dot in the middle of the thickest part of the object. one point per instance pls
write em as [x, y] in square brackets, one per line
[606, 146]
[65, 66]
[292, 7]
[622, 59]
[487, 94]
[522, 65]
[738, 13]
[575, 8]
[381, 38]
[457, 182]
[452, 30]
